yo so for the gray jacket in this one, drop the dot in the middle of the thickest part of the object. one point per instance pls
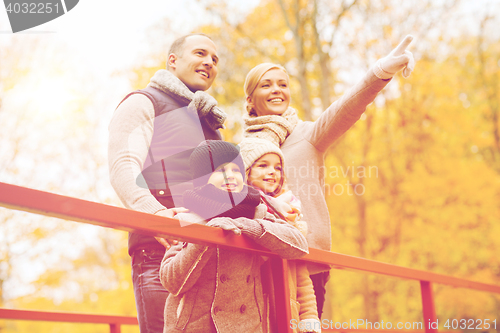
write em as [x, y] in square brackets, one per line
[219, 290]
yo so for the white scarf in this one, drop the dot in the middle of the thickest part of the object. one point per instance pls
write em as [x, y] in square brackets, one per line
[203, 103]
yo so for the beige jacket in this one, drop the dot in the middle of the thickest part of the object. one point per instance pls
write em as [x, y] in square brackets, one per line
[218, 290]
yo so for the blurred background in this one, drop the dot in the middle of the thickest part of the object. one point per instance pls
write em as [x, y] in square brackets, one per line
[416, 182]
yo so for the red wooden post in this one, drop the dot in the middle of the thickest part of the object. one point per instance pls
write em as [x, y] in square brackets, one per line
[430, 319]
[282, 294]
[114, 328]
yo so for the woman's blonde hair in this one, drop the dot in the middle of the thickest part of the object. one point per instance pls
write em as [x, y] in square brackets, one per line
[253, 78]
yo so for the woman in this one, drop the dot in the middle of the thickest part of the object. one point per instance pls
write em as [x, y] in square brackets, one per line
[305, 143]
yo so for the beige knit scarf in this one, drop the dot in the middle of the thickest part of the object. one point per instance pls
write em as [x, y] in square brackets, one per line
[272, 127]
[203, 103]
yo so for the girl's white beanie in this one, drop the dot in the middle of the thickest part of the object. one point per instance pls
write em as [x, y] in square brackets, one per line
[251, 149]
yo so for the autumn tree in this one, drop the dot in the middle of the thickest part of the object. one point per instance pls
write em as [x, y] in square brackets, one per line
[51, 140]
[423, 139]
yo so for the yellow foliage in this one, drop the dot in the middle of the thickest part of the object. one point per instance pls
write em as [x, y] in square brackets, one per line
[425, 160]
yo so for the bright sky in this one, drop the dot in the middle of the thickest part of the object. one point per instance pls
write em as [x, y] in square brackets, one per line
[111, 34]
[97, 38]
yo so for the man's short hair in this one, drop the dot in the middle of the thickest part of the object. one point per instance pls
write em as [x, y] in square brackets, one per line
[177, 46]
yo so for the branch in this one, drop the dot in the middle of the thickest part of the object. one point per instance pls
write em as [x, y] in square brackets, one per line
[287, 20]
[345, 9]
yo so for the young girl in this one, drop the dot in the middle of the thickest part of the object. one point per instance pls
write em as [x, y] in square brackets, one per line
[264, 164]
[214, 289]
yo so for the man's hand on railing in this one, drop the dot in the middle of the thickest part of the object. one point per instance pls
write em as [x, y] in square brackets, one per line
[170, 213]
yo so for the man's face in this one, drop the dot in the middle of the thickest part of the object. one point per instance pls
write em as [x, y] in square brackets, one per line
[196, 66]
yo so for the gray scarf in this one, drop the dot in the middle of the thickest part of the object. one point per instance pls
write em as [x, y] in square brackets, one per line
[203, 103]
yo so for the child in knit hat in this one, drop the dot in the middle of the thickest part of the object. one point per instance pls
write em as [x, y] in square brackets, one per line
[264, 165]
[214, 289]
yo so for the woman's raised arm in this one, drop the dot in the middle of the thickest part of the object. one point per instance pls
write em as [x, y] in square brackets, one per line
[344, 112]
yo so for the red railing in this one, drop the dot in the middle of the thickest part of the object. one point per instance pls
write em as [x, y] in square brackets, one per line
[114, 322]
[49, 204]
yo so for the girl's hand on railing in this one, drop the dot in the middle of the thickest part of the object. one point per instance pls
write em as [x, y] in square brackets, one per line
[226, 223]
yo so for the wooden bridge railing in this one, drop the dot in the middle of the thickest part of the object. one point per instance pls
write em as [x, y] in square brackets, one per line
[72, 209]
[114, 322]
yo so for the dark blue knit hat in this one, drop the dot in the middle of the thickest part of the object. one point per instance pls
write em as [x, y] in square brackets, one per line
[209, 156]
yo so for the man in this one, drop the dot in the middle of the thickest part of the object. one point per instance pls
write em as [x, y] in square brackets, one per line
[151, 136]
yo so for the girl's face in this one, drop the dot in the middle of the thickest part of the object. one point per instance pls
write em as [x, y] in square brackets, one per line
[265, 174]
[272, 94]
[227, 177]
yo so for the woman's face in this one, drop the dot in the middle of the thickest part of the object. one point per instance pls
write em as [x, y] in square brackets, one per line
[265, 173]
[272, 94]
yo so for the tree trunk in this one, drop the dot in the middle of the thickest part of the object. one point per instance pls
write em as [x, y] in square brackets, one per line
[301, 59]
